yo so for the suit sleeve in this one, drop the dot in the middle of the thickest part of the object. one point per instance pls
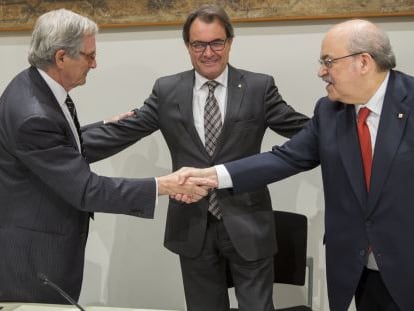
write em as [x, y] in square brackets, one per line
[281, 117]
[108, 139]
[43, 148]
[301, 153]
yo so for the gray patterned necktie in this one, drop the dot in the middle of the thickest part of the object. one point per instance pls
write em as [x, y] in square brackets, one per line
[212, 128]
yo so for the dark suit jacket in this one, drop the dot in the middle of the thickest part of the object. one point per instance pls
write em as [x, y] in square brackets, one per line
[46, 194]
[253, 104]
[354, 219]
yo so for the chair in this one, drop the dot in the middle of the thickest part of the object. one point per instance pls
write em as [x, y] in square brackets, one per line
[290, 262]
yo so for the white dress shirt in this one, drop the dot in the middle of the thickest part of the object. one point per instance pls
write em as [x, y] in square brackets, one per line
[200, 93]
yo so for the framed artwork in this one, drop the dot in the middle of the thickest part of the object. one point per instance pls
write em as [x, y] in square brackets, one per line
[21, 14]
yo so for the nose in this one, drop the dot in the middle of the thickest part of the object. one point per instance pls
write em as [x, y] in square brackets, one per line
[93, 64]
[208, 51]
[322, 71]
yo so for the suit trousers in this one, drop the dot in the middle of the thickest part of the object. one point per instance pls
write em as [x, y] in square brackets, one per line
[204, 276]
[372, 295]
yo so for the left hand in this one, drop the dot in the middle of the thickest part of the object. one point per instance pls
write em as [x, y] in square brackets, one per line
[119, 117]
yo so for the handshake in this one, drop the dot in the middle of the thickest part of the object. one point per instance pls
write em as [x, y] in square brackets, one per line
[188, 184]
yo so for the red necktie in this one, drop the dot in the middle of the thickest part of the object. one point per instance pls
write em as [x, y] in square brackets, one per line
[365, 143]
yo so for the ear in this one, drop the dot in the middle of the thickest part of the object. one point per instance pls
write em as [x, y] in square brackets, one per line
[187, 45]
[60, 58]
[229, 42]
[367, 62]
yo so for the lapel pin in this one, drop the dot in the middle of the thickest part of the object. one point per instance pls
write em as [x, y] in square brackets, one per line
[400, 115]
[239, 86]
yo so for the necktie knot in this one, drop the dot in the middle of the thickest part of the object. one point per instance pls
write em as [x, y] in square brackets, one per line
[69, 101]
[71, 106]
[212, 85]
[363, 114]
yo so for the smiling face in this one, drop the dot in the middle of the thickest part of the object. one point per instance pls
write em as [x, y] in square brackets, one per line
[210, 64]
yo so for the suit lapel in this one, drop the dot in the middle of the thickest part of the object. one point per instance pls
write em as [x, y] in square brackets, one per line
[51, 101]
[185, 103]
[350, 153]
[235, 91]
[393, 120]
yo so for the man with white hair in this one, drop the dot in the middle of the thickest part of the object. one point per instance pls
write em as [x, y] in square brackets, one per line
[47, 190]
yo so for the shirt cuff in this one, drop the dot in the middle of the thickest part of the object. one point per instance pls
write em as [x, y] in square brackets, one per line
[156, 192]
[223, 177]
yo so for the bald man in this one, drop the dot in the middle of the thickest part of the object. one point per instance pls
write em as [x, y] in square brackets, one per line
[362, 135]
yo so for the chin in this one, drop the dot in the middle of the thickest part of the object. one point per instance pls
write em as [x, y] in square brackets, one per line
[82, 82]
[211, 75]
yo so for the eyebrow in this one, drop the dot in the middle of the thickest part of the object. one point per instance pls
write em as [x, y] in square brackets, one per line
[217, 39]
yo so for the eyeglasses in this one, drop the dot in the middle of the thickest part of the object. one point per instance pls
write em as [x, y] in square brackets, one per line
[201, 46]
[90, 57]
[328, 62]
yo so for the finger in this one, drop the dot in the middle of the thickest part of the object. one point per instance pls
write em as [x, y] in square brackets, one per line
[187, 198]
[196, 198]
[183, 174]
[178, 197]
[199, 191]
[201, 181]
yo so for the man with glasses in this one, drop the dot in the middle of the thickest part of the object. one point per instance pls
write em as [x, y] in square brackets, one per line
[47, 190]
[362, 135]
[208, 115]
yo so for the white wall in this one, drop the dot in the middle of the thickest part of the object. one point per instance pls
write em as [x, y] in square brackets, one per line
[126, 263]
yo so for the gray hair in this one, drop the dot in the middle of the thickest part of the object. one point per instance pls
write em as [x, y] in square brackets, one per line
[370, 39]
[208, 13]
[58, 30]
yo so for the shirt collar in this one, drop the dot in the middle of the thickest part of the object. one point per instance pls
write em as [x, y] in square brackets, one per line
[57, 89]
[376, 102]
[222, 79]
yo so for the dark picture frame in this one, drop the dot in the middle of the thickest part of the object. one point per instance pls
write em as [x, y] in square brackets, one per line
[18, 15]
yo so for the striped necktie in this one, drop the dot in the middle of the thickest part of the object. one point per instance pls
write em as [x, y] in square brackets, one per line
[72, 110]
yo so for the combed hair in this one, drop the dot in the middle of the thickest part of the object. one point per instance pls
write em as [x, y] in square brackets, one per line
[58, 30]
[375, 42]
[208, 13]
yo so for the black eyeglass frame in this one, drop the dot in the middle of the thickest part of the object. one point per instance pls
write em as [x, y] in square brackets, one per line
[216, 45]
[328, 62]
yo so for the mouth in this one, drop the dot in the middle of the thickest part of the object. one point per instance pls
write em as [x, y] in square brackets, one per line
[328, 81]
[209, 62]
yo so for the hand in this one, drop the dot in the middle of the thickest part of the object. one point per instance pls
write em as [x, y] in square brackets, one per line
[192, 175]
[121, 116]
[190, 190]
[187, 173]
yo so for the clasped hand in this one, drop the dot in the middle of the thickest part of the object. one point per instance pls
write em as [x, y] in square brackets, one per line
[188, 185]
